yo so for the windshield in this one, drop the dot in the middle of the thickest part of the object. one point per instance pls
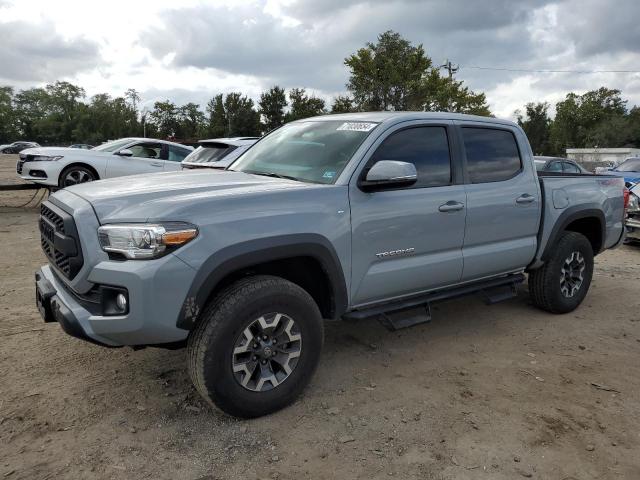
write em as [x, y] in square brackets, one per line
[311, 151]
[540, 164]
[209, 153]
[112, 146]
[629, 165]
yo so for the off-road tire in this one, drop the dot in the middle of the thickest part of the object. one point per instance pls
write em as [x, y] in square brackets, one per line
[544, 283]
[211, 344]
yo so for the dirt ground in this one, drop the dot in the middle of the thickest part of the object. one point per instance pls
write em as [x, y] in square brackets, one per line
[482, 392]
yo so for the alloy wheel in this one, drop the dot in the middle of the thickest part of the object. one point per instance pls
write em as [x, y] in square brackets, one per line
[572, 274]
[266, 352]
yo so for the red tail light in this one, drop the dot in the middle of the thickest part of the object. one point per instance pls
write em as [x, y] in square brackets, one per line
[625, 195]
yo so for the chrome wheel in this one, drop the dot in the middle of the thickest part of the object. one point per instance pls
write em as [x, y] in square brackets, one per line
[572, 274]
[75, 177]
[266, 352]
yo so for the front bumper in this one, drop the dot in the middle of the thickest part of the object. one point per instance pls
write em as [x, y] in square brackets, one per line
[157, 290]
[44, 173]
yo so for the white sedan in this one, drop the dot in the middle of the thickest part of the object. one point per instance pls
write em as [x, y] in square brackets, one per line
[62, 167]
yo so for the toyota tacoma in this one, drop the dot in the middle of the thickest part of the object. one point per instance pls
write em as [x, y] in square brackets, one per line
[334, 217]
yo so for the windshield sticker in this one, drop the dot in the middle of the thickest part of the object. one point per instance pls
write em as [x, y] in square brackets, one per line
[328, 174]
[357, 126]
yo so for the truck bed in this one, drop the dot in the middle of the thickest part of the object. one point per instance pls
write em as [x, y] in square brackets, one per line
[568, 197]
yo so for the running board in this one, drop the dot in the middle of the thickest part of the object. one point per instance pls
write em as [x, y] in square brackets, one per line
[406, 318]
[416, 310]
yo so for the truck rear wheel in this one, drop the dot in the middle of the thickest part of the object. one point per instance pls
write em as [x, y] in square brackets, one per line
[561, 284]
[256, 346]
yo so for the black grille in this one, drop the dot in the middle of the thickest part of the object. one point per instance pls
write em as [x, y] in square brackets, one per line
[19, 166]
[59, 240]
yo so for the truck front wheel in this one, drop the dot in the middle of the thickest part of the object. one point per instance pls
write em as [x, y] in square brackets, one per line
[561, 284]
[256, 346]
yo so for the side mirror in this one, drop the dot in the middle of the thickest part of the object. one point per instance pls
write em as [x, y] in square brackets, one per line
[389, 174]
[125, 152]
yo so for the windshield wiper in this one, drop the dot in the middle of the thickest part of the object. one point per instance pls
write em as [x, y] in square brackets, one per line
[273, 174]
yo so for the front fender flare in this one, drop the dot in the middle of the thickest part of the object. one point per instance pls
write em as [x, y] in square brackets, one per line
[255, 252]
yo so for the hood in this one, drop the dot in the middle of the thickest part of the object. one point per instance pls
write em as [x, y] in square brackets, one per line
[140, 197]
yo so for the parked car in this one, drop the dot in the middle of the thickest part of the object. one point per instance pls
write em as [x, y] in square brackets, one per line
[632, 222]
[558, 165]
[629, 170]
[218, 152]
[17, 147]
[62, 167]
[82, 146]
[339, 216]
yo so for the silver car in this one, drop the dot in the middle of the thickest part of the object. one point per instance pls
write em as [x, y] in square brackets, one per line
[218, 152]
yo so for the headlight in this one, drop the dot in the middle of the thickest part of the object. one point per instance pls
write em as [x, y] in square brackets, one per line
[634, 203]
[141, 241]
[44, 158]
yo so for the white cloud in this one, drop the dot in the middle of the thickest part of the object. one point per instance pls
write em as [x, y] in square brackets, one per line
[190, 50]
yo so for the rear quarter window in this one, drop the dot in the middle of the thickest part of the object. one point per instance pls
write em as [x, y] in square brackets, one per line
[492, 154]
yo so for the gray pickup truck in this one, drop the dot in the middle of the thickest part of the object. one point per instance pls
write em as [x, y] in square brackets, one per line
[334, 217]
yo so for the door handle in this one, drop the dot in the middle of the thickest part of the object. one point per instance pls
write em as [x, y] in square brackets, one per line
[525, 198]
[451, 206]
[156, 164]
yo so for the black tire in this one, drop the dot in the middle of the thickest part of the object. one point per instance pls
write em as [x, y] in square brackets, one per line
[546, 283]
[211, 344]
[76, 174]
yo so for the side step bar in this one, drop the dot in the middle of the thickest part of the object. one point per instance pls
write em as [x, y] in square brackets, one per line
[416, 310]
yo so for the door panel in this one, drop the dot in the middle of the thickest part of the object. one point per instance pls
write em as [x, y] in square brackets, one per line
[502, 215]
[405, 219]
[409, 240]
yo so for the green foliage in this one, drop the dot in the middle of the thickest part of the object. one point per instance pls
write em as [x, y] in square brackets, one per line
[343, 104]
[392, 74]
[304, 106]
[232, 116]
[596, 118]
[272, 108]
[218, 124]
[7, 116]
[164, 117]
[537, 125]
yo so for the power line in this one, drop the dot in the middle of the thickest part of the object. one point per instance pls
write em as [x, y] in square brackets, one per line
[526, 70]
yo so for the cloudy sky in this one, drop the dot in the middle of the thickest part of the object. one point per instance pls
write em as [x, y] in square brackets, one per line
[189, 50]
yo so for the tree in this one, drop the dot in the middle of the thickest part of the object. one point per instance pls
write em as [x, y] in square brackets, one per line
[133, 97]
[537, 125]
[271, 107]
[386, 75]
[242, 118]
[588, 119]
[304, 106]
[7, 116]
[164, 117]
[392, 74]
[191, 121]
[218, 123]
[343, 104]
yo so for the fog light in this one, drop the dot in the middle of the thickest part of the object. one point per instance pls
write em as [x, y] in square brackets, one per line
[121, 302]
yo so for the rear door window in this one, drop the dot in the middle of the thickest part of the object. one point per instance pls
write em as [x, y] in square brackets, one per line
[492, 154]
[570, 168]
[555, 167]
[177, 154]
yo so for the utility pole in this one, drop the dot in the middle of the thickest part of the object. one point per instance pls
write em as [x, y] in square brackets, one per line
[451, 68]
